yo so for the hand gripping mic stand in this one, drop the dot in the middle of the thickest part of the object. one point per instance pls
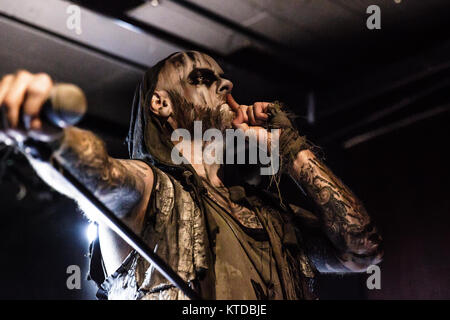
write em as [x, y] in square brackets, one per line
[42, 152]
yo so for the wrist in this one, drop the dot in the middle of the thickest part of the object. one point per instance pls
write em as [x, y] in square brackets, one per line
[290, 141]
[291, 146]
[300, 160]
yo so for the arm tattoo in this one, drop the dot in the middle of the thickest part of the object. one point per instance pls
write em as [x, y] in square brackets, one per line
[322, 254]
[327, 259]
[344, 218]
[119, 184]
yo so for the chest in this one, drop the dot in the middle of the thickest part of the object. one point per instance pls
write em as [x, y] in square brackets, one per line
[244, 215]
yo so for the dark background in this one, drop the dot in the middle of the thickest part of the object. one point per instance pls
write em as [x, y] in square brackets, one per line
[376, 101]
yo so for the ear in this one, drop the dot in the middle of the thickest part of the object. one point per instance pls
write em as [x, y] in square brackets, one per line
[161, 104]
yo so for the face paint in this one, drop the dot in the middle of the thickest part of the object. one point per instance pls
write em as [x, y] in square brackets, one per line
[186, 113]
[197, 82]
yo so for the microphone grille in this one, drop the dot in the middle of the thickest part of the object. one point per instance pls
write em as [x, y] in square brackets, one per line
[68, 104]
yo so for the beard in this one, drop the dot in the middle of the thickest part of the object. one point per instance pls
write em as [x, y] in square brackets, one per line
[185, 113]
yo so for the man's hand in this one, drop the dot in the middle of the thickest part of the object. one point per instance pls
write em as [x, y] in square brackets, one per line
[251, 119]
[254, 115]
[22, 96]
[124, 186]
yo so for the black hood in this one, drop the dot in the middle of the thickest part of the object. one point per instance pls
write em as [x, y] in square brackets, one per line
[149, 136]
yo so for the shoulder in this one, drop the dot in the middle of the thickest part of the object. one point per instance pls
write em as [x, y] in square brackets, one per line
[136, 177]
[141, 172]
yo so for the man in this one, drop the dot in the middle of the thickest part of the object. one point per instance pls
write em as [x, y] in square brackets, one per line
[227, 241]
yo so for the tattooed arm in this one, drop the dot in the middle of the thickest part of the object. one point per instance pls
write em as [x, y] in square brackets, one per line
[121, 184]
[353, 242]
[124, 186]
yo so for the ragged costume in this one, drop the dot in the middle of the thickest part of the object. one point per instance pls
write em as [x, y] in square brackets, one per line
[189, 226]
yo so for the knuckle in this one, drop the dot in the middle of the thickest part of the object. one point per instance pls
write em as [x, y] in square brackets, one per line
[10, 100]
[7, 78]
[40, 84]
[37, 89]
[43, 78]
[22, 73]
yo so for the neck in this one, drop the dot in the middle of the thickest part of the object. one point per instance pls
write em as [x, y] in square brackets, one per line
[193, 151]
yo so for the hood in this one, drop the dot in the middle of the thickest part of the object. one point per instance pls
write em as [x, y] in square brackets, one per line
[149, 136]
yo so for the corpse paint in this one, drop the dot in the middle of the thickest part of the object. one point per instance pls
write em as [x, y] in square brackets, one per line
[197, 78]
[199, 310]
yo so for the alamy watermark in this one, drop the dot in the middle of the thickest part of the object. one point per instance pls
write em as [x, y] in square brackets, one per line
[73, 22]
[74, 279]
[374, 280]
[374, 20]
[215, 146]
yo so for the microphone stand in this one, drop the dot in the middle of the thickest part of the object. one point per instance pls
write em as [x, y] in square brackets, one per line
[42, 152]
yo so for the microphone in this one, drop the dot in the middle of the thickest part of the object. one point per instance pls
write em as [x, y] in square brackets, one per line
[65, 106]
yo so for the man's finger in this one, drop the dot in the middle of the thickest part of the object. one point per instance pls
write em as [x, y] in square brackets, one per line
[259, 109]
[38, 91]
[36, 124]
[251, 116]
[15, 96]
[5, 83]
[243, 126]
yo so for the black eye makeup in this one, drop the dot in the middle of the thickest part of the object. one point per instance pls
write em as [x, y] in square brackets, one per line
[202, 77]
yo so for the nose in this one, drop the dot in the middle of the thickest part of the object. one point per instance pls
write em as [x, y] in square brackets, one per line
[225, 86]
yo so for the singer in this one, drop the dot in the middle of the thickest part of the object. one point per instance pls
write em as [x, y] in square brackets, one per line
[227, 239]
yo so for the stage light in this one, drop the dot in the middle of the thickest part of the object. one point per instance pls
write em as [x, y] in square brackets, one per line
[92, 232]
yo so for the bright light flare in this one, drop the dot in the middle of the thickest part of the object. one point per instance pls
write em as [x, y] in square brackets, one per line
[92, 232]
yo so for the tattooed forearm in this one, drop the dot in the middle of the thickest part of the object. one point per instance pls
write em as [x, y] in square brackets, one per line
[322, 254]
[327, 259]
[119, 184]
[344, 218]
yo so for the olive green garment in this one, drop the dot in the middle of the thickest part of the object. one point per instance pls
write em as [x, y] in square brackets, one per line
[210, 249]
[245, 267]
